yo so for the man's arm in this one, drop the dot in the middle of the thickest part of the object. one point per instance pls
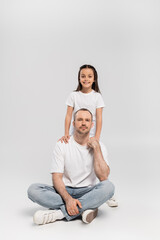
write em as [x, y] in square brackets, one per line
[101, 168]
[71, 203]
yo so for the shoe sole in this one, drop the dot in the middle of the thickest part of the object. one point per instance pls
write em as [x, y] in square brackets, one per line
[90, 216]
[112, 204]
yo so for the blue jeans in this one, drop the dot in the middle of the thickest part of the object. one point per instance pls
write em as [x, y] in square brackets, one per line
[90, 197]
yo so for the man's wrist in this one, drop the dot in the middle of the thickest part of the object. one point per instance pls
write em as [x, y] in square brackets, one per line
[96, 146]
[67, 198]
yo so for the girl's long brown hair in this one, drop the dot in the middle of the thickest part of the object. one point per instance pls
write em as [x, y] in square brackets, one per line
[95, 86]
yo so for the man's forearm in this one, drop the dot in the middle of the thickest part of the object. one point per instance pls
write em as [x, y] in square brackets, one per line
[70, 203]
[100, 166]
[60, 187]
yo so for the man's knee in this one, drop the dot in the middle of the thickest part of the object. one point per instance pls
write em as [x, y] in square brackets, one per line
[32, 190]
[108, 188]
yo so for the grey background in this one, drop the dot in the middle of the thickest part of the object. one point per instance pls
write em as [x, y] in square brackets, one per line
[43, 44]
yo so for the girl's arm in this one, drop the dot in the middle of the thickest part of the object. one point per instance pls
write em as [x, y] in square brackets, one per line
[68, 118]
[98, 122]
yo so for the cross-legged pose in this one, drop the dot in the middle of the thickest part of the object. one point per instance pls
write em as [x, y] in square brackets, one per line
[80, 177]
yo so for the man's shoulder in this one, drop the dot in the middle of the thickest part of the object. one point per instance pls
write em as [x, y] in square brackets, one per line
[63, 145]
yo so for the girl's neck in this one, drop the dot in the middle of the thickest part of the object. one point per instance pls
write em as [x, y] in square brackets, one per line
[88, 90]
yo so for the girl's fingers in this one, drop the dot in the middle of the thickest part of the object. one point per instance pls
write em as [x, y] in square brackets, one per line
[64, 139]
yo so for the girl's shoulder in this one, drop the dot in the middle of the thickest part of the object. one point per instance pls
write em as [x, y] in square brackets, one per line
[98, 94]
[74, 93]
[71, 94]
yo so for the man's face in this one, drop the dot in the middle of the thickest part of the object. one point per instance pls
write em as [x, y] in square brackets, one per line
[83, 122]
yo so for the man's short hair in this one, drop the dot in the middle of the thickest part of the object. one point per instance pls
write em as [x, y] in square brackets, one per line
[82, 109]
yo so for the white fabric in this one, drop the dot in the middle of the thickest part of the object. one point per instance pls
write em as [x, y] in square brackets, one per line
[76, 163]
[91, 101]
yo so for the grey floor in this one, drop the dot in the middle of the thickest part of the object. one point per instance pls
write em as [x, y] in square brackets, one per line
[135, 173]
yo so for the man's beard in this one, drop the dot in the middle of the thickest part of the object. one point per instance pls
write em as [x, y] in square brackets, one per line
[81, 132]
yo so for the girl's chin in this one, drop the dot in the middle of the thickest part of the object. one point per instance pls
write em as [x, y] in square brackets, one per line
[88, 88]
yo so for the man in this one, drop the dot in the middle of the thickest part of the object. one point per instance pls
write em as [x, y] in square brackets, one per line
[80, 177]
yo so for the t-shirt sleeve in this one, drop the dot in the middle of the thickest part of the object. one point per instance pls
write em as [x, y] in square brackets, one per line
[104, 152]
[100, 102]
[70, 100]
[57, 163]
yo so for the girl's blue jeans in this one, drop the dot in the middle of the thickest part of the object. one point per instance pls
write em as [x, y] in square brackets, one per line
[90, 197]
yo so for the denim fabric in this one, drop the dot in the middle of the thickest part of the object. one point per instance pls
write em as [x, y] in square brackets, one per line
[90, 197]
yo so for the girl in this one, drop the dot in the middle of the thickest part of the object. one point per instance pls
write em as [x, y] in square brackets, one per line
[87, 95]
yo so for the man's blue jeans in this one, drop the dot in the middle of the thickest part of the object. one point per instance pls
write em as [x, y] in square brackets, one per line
[90, 197]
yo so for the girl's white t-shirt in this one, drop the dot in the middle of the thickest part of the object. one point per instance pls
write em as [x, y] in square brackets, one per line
[90, 101]
[76, 163]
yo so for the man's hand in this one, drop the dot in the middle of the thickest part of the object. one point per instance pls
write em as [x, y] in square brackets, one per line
[71, 205]
[93, 142]
[64, 139]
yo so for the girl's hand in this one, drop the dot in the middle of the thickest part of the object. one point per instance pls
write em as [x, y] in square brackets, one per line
[64, 139]
[94, 138]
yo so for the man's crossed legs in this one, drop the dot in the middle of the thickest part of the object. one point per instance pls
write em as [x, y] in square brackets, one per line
[90, 197]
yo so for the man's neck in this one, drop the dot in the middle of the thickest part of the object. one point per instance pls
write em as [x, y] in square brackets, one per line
[81, 139]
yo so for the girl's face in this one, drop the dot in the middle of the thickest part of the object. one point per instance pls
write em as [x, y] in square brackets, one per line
[86, 78]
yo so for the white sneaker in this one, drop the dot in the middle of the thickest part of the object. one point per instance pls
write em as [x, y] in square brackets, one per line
[47, 216]
[89, 215]
[112, 202]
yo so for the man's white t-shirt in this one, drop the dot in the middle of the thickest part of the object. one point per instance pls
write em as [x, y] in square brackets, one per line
[91, 101]
[76, 163]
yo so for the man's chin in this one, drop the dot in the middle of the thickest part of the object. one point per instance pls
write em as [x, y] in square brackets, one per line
[83, 132]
